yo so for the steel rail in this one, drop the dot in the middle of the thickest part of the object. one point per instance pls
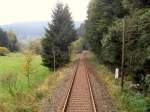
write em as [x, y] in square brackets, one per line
[70, 88]
[90, 89]
[64, 109]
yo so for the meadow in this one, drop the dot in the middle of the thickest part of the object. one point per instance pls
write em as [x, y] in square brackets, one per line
[13, 64]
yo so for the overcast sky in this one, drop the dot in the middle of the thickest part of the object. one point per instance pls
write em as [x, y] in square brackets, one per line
[12, 11]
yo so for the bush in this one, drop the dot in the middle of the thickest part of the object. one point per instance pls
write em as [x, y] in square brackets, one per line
[39, 94]
[23, 102]
[146, 84]
[77, 46]
[27, 65]
[3, 51]
[134, 102]
[127, 100]
[9, 82]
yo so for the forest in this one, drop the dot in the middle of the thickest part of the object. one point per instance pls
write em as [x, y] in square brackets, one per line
[111, 20]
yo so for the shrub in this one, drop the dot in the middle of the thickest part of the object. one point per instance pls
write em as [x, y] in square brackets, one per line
[126, 100]
[23, 102]
[39, 94]
[9, 81]
[3, 51]
[134, 102]
[146, 84]
[27, 65]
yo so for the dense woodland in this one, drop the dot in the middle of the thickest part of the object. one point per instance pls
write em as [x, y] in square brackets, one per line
[108, 21]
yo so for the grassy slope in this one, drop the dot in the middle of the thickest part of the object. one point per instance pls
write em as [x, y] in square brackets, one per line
[126, 101]
[13, 64]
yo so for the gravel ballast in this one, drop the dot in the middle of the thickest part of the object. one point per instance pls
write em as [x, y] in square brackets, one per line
[55, 100]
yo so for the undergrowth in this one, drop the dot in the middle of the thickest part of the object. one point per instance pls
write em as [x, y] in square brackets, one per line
[126, 100]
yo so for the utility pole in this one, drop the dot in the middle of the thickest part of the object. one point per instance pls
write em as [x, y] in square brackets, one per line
[54, 61]
[123, 54]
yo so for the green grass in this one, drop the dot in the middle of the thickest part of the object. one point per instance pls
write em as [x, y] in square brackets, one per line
[26, 99]
[12, 63]
[127, 100]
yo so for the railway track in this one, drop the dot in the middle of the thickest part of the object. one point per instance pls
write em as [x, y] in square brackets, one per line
[80, 96]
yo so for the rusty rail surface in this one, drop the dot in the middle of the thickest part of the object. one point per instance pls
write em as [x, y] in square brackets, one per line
[90, 89]
[70, 88]
[93, 105]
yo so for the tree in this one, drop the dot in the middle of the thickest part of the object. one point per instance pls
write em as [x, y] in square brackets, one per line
[111, 45]
[138, 44]
[104, 31]
[133, 5]
[81, 30]
[8, 40]
[77, 46]
[101, 14]
[35, 46]
[3, 39]
[13, 42]
[58, 37]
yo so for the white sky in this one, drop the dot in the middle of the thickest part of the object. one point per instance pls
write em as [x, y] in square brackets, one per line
[12, 11]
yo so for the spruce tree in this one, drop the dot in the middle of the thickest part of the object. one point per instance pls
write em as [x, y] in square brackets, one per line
[59, 34]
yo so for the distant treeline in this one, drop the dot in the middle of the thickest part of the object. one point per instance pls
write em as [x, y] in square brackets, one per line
[8, 40]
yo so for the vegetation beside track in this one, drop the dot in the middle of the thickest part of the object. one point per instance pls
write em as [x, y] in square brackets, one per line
[20, 98]
[13, 63]
[126, 100]
[118, 32]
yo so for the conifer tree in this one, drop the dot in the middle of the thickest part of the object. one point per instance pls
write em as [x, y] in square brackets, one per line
[58, 37]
